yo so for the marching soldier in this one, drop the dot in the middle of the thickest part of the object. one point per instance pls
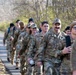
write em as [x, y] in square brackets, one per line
[34, 44]
[73, 60]
[50, 49]
[67, 30]
[15, 41]
[23, 50]
[9, 36]
[73, 51]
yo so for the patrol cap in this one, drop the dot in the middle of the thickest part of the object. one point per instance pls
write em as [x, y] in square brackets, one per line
[28, 25]
[72, 24]
[33, 26]
[57, 21]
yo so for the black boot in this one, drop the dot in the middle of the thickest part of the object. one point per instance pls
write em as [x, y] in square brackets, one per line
[8, 59]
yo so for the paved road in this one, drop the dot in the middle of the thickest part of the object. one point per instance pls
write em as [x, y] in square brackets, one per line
[3, 55]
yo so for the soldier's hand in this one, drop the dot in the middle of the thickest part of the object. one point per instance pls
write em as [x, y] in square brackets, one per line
[74, 72]
[13, 48]
[18, 56]
[39, 63]
[11, 38]
[66, 50]
[29, 59]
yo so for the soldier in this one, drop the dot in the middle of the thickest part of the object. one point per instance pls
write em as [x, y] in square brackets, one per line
[17, 24]
[23, 51]
[31, 21]
[73, 52]
[51, 48]
[73, 60]
[9, 36]
[33, 33]
[18, 47]
[66, 69]
[67, 30]
[23, 54]
[35, 42]
[15, 41]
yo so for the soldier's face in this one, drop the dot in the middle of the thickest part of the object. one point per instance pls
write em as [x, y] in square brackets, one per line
[17, 25]
[57, 27]
[34, 30]
[73, 31]
[28, 29]
[22, 26]
[11, 28]
[68, 32]
[45, 27]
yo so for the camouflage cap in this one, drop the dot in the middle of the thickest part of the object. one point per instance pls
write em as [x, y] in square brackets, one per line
[72, 24]
[57, 21]
[28, 25]
[33, 26]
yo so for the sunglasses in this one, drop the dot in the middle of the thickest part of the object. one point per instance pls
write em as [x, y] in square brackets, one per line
[74, 28]
[29, 27]
[35, 28]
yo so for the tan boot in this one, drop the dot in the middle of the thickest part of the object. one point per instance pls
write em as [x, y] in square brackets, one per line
[11, 62]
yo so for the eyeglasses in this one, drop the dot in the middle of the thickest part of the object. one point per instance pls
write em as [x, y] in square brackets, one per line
[35, 28]
[74, 28]
[28, 27]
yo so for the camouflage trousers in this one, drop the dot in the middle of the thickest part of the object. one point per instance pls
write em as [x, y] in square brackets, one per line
[65, 68]
[17, 52]
[50, 69]
[23, 66]
[12, 54]
[17, 59]
[8, 48]
[33, 70]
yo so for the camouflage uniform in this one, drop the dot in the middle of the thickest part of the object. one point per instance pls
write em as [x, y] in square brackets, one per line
[33, 47]
[19, 45]
[65, 68]
[23, 53]
[17, 41]
[51, 47]
[8, 37]
[73, 57]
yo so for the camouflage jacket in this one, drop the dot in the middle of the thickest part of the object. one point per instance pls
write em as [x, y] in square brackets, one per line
[66, 65]
[73, 57]
[8, 36]
[51, 45]
[25, 42]
[34, 44]
[19, 41]
[17, 33]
